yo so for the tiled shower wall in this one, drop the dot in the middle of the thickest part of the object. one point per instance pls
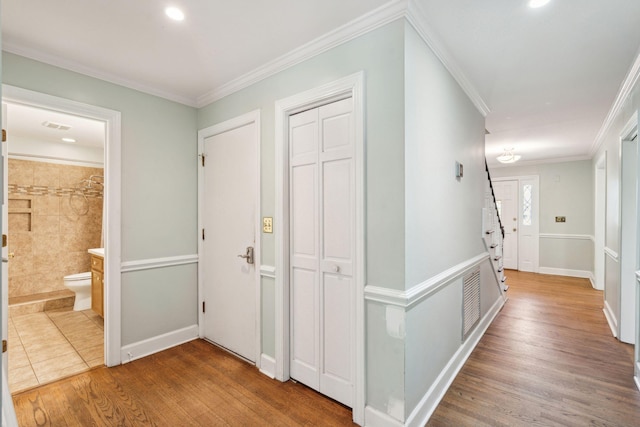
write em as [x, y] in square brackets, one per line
[48, 238]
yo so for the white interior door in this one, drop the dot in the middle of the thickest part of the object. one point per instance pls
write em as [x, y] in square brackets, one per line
[322, 248]
[506, 193]
[229, 221]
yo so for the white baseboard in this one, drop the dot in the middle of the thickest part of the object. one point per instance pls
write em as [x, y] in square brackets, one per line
[434, 395]
[611, 319]
[375, 418]
[268, 365]
[585, 274]
[134, 351]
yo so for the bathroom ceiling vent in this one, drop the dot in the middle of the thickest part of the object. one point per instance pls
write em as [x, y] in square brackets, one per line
[53, 125]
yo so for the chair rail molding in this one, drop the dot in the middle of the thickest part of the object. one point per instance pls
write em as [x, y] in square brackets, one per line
[567, 236]
[151, 263]
[422, 290]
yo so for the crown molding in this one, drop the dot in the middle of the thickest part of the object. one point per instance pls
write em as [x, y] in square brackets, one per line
[623, 94]
[417, 18]
[59, 62]
[377, 18]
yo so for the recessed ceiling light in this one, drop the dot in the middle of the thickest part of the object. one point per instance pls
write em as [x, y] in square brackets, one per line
[174, 13]
[68, 140]
[537, 3]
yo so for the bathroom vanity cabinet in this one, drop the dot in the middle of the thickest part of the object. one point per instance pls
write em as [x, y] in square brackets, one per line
[97, 284]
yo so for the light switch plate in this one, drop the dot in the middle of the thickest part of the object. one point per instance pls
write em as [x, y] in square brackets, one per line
[267, 224]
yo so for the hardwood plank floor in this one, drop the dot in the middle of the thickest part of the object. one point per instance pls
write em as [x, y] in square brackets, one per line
[195, 384]
[548, 359]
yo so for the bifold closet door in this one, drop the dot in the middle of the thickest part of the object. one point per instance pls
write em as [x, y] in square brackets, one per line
[322, 248]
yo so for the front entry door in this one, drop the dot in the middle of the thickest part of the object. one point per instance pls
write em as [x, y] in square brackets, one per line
[229, 221]
[322, 245]
[506, 193]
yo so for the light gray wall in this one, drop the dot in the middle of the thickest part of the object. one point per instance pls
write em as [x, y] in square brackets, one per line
[159, 191]
[443, 213]
[566, 254]
[566, 189]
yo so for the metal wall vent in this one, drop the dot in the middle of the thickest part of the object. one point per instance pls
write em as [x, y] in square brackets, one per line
[470, 302]
[53, 125]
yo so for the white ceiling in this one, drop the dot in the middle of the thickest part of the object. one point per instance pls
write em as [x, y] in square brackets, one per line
[548, 76]
[27, 122]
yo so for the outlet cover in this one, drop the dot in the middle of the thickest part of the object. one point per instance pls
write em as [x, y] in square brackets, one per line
[267, 225]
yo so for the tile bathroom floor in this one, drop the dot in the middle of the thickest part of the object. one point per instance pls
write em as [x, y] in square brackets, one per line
[50, 345]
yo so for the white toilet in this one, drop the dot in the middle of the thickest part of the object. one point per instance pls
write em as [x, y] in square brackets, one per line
[80, 284]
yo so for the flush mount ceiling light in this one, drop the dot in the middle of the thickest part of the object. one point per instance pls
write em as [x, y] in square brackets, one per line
[534, 4]
[68, 140]
[507, 156]
[174, 13]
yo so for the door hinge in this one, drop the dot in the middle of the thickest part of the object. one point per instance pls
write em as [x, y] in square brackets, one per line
[4, 135]
[4, 346]
[203, 307]
[202, 157]
[203, 234]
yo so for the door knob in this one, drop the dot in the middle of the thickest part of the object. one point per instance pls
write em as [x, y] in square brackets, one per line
[248, 255]
[514, 229]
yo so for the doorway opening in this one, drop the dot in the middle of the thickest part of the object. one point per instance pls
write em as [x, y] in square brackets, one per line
[83, 208]
[54, 201]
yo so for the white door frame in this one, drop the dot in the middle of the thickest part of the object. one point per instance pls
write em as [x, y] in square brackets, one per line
[535, 218]
[226, 126]
[112, 201]
[352, 86]
[628, 249]
[600, 221]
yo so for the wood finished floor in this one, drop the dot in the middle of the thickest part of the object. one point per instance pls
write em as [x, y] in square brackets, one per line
[548, 360]
[195, 384]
